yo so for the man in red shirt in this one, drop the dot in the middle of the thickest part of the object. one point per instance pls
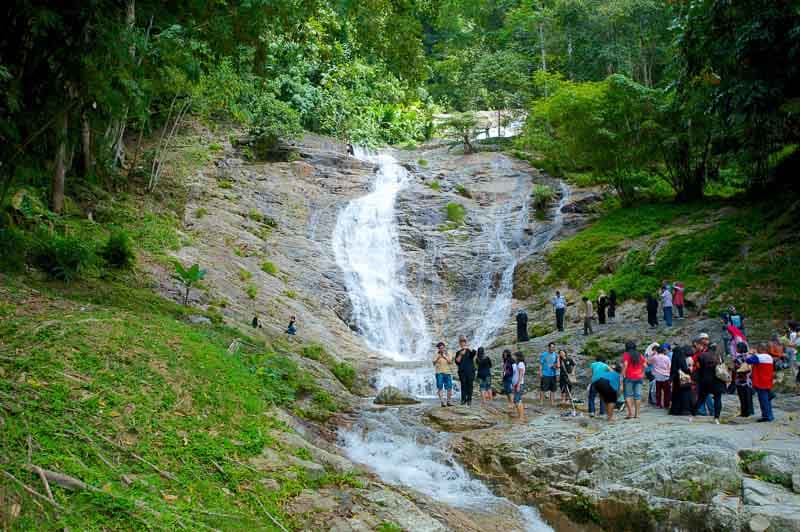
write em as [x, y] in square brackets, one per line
[762, 374]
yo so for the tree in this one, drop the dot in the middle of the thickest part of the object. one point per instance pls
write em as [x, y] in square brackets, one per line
[462, 128]
[188, 278]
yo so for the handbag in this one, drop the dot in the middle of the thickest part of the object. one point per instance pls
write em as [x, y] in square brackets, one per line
[685, 378]
[722, 372]
[744, 368]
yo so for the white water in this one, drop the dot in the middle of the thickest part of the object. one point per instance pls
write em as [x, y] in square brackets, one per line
[367, 249]
[418, 457]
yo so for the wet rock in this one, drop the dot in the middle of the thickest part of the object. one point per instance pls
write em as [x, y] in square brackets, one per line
[459, 419]
[271, 461]
[796, 482]
[584, 203]
[199, 320]
[392, 396]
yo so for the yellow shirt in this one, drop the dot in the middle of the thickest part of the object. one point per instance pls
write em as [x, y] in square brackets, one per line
[441, 363]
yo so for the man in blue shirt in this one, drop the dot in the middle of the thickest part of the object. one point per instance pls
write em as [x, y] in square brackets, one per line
[549, 365]
[597, 368]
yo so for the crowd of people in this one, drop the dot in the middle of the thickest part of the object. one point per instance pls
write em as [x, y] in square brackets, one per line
[686, 380]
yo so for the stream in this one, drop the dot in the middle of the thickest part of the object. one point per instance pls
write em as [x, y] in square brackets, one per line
[394, 442]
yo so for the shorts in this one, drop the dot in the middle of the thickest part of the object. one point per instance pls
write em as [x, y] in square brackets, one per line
[444, 381]
[548, 384]
[518, 395]
[507, 386]
[485, 383]
[633, 388]
[565, 385]
[606, 392]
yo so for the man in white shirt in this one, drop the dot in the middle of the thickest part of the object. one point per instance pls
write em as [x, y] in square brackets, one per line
[560, 305]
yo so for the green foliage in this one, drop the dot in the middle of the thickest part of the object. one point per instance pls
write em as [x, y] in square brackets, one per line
[188, 277]
[460, 128]
[61, 257]
[244, 275]
[251, 291]
[387, 526]
[542, 196]
[435, 185]
[269, 267]
[345, 373]
[13, 244]
[461, 190]
[118, 250]
[422, 162]
[291, 294]
[455, 213]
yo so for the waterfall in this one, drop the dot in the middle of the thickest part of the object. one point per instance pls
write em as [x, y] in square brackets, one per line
[367, 250]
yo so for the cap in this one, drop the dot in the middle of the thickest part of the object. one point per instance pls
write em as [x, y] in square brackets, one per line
[703, 336]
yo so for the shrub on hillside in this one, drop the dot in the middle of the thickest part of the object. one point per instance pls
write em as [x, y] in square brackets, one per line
[61, 257]
[118, 251]
[13, 244]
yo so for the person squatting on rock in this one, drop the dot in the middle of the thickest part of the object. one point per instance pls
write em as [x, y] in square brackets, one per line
[606, 383]
[291, 329]
[518, 384]
[597, 368]
[560, 306]
[484, 375]
[444, 376]
[549, 366]
[465, 360]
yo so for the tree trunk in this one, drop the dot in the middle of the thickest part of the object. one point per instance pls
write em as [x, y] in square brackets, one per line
[57, 188]
[86, 143]
[118, 147]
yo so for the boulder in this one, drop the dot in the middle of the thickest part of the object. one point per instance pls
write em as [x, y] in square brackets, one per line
[389, 395]
[459, 419]
[777, 468]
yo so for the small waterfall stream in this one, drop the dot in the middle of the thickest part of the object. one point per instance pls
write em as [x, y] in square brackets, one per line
[400, 449]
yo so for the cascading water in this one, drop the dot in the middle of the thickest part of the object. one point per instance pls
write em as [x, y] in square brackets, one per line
[367, 249]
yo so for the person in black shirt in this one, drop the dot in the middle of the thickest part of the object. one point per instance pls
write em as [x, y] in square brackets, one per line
[522, 326]
[465, 360]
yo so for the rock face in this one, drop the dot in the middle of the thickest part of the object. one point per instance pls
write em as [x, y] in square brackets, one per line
[392, 396]
[459, 419]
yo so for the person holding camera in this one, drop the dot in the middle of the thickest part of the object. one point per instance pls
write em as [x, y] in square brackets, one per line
[444, 377]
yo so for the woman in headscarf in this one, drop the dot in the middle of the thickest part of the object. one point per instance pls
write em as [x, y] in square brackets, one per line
[680, 375]
[652, 310]
[708, 383]
[602, 304]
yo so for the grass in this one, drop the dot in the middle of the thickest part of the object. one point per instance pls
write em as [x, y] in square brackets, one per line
[244, 275]
[225, 184]
[739, 255]
[435, 185]
[97, 374]
[291, 294]
[461, 190]
[269, 267]
[251, 291]
[422, 162]
[344, 372]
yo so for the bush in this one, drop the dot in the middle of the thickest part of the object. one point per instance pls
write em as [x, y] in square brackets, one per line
[542, 196]
[345, 373]
[118, 251]
[62, 258]
[434, 185]
[461, 190]
[13, 244]
[269, 267]
[456, 213]
[244, 275]
[251, 291]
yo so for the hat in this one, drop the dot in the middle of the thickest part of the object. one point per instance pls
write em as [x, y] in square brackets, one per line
[703, 336]
[666, 347]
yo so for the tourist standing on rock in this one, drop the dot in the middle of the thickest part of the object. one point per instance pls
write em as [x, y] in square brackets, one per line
[763, 369]
[602, 305]
[661, 366]
[708, 383]
[566, 375]
[522, 326]
[484, 375]
[607, 385]
[508, 376]
[633, 365]
[518, 384]
[681, 377]
[678, 298]
[444, 376]
[597, 368]
[700, 345]
[465, 360]
[666, 304]
[736, 337]
[652, 310]
[560, 306]
[612, 305]
[588, 315]
[743, 381]
[549, 365]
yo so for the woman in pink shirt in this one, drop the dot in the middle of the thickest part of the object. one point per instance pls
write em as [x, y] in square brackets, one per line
[660, 364]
